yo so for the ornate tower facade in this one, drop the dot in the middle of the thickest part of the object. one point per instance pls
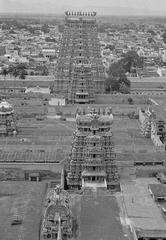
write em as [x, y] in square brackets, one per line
[92, 160]
[7, 119]
[80, 71]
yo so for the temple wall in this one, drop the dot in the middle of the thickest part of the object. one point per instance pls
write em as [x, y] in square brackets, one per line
[142, 116]
[157, 142]
[119, 98]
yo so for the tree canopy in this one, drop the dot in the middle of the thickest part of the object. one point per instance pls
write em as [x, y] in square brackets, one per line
[117, 79]
[17, 70]
[131, 60]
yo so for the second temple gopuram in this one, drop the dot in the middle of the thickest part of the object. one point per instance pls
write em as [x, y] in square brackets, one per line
[92, 159]
[80, 71]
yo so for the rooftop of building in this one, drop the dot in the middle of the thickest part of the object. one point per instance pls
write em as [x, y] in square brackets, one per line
[142, 211]
[147, 79]
[93, 173]
[158, 190]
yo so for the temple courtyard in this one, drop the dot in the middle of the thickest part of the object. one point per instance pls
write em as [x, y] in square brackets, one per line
[44, 145]
[25, 200]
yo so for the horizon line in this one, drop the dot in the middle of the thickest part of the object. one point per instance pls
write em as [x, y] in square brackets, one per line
[98, 14]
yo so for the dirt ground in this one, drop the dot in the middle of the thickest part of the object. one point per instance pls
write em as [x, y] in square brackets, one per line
[98, 218]
[50, 140]
[137, 205]
[128, 137]
[24, 199]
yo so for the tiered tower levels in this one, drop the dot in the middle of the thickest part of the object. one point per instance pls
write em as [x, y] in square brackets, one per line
[80, 72]
[7, 119]
[92, 162]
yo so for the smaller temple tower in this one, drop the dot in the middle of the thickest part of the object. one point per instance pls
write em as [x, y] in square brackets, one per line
[92, 161]
[7, 119]
[57, 221]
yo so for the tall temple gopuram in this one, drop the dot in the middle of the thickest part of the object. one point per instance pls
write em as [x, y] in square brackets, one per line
[92, 160]
[80, 71]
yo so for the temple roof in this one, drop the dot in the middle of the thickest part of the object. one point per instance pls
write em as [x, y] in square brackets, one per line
[90, 117]
[5, 107]
[106, 118]
[88, 173]
[92, 136]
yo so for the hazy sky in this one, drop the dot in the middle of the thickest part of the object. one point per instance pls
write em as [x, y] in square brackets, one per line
[55, 6]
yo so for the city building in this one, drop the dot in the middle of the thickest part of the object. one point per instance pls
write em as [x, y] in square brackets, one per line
[49, 53]
[80, 71]
[157, 191]
[92, 160]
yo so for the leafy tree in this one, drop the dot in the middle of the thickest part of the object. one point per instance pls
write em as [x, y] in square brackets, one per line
[130, 100]
[23, 74]
[18, 70]
[15, 73]
[124, 88]
[4, 72]
[45, 71]
[32, 73]
[42, 69]
[117, 80]
[131, 59]
[11, 69]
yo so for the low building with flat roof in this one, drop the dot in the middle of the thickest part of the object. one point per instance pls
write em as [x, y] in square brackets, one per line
[157, 191]
[142, 214]
[148, 85]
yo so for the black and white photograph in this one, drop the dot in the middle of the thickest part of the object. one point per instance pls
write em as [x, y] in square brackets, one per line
[83, 120]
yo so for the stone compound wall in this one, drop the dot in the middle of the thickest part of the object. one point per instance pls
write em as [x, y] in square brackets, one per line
[11, 174]
[148, 129]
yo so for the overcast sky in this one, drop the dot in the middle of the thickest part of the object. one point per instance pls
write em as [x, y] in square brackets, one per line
[58, 6]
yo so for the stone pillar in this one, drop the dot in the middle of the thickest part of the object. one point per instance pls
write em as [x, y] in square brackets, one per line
[83, 182]
[105, 182]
